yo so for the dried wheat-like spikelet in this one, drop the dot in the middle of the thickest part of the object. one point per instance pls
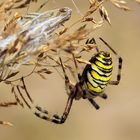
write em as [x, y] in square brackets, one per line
[33, 34]
[121, 4]
[104, 14]
[11, 27]
[7, 5]
[99, 5]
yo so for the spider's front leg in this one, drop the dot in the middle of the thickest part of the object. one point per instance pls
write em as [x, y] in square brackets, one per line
[62, 119]
[71, 91]
[55, 118]
[44, 114]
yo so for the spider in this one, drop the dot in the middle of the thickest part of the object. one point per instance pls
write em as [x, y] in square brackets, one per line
[91, 83]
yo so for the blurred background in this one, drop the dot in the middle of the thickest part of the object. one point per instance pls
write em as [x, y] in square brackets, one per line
[119, 115]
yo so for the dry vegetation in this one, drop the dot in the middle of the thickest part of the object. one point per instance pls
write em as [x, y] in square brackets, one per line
[17, 40]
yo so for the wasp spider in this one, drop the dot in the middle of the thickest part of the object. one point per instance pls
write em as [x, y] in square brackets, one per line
[92, 83]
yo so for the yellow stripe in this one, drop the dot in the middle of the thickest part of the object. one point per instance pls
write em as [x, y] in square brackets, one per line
[94, 67]
[90, 79]
[103, 61]
[95, 89]
[104, 66]
[101, 82]
[102, 56]
[97, 76]
[94, 84]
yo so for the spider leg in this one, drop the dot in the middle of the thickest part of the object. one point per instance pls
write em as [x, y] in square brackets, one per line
[72, 93]
[76, 66]
[118, 74]
[81, 92]
[23, 98]
[103, 95]
[37, 110]
[55, 118]
[94, 103]
[68, 85]
[26, 91]
[44, 114]
[91, 100]
[66, 111]
[119, 65]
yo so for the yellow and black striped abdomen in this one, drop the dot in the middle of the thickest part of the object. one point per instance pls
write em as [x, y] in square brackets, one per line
[98, 74]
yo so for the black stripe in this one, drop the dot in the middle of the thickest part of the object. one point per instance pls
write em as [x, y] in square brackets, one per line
[97, 81]
[106, 82]
[120, 60]
[42, 117]
[93, 85]
[98, 85]
[56, 116]
[110, 59]
[41, 110]
[99, 73]
[105, 61]
[118, 77]
[102, 87]
[120, 66]
[104, 70]
[56, 121]
[102, 62]
[100, 68]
